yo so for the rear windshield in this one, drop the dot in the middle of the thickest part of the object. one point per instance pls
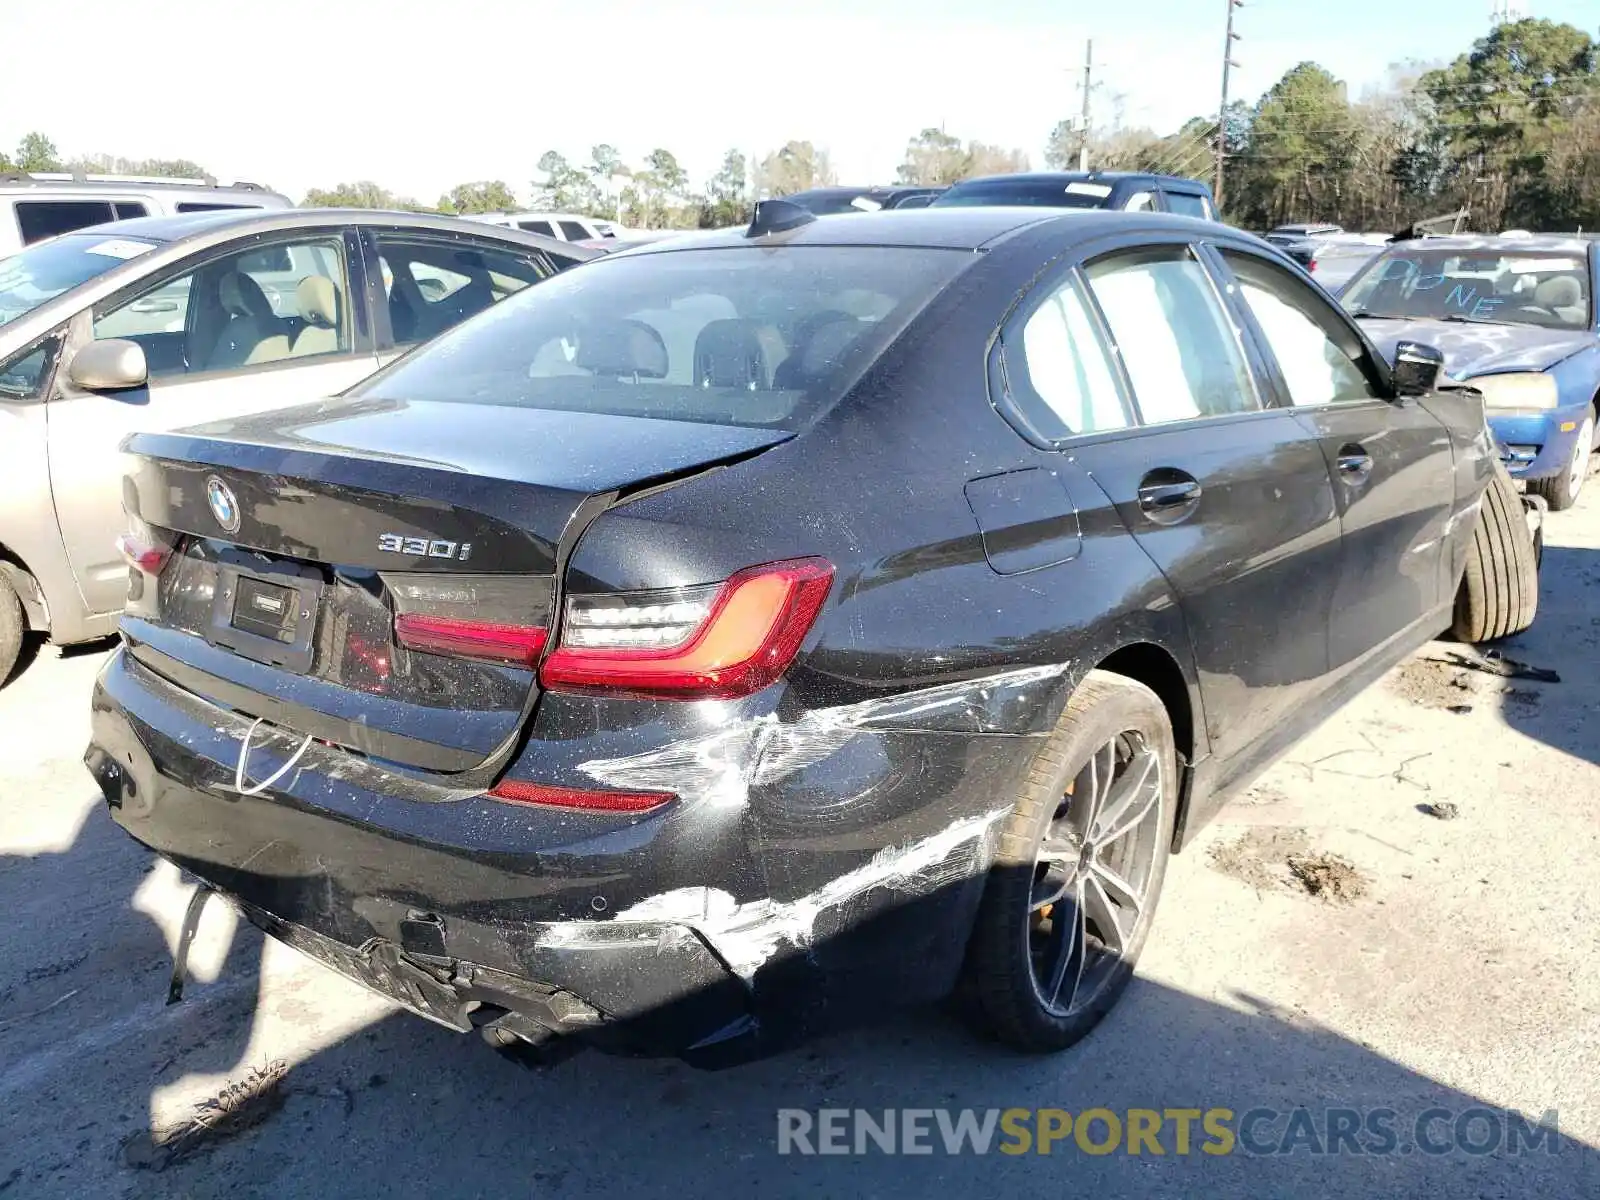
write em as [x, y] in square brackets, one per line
[40, 273]
[729, 335]
[1026, 193]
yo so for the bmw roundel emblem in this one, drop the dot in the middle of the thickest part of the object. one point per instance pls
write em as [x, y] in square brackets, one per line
[224, 505]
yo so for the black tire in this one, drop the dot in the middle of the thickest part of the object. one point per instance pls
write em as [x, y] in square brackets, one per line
[1499, 593]
[1000, 982]
[11, 629]
[1560, 492]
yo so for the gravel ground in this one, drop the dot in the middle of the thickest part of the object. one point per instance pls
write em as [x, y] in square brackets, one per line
[1401, 915]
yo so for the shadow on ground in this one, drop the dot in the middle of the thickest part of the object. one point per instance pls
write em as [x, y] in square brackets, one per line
[405, 1108]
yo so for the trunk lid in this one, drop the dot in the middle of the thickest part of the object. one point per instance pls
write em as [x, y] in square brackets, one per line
[300, 536]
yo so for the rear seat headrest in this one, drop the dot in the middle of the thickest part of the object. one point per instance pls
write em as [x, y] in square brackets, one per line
[621, 347]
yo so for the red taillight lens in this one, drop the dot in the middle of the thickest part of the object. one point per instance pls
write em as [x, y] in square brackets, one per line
[517, 644]
[516, 791]
[147, 555]
[700, 644]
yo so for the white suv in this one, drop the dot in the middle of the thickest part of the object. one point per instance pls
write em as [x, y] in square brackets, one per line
[568, 227]
[34, 207]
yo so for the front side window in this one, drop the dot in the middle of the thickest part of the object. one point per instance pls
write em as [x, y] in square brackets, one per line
[1318, 357]
[41, 219]
[543, 227]
[1498, 286]
[1175, 340]
[431, 285]
[741, 335]
[287, 301]
[1065, 367]
[574, 232]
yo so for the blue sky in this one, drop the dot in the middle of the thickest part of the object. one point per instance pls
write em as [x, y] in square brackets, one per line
[421, 95]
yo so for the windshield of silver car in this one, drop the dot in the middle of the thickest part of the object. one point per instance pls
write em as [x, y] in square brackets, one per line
[40, 273]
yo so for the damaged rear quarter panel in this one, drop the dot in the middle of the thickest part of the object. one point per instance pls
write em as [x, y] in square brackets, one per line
[900, 737]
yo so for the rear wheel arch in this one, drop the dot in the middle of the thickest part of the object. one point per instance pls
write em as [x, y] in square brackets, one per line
[15, 572]
[1156, 668]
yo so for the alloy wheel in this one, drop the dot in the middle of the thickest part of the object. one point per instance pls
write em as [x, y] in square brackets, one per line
[1093, 873]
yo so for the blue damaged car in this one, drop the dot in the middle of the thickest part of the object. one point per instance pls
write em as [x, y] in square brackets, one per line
[1514, 315]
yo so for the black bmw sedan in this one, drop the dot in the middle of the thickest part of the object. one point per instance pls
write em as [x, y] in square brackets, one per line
[733, 636]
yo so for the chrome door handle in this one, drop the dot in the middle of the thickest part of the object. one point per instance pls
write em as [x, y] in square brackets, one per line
[1156, 497]
[1354, 463]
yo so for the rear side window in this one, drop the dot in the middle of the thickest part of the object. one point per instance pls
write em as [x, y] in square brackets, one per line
[41, 219]
[1064, 365]
[574, 232]
[543, 227]
[432, 285]
[1187, 204]
[737, 336]
[1175, 340]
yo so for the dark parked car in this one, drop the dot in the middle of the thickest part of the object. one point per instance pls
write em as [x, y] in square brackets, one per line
[1132, 191]
[745, 632]
[1285, 235]
[830, 201]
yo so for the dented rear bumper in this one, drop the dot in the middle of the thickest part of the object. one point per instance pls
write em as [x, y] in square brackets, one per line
[811, 871]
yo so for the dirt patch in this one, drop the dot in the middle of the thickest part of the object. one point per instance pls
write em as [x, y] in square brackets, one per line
[1327, 876]
[1433, 684]
[241, 1106]
[1283, 859]
[1260, 857]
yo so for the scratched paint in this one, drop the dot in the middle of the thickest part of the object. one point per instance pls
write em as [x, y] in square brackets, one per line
[720, 769]
[748, 935]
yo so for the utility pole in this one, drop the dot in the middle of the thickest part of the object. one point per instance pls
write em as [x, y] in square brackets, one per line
[1088, 82]
[1222, 112]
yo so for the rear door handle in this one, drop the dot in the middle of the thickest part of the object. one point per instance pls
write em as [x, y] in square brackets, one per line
[1168, 496]
[1354, 463]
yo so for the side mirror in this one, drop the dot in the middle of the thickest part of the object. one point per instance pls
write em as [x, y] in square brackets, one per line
[109, 366]
[1417, 368]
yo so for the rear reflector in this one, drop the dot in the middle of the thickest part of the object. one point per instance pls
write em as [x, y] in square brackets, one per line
[517, 644]
[715, 643]
[516, 791]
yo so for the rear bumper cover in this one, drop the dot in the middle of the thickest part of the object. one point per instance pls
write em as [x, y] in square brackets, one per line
[446, 901]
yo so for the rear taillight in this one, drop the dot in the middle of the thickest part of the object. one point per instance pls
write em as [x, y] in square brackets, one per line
[144, 548]
[495, 618]
[517, 644]
[718, 642]
[516, 791]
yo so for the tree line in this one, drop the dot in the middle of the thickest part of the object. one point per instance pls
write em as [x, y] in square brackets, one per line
[1509, 130]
